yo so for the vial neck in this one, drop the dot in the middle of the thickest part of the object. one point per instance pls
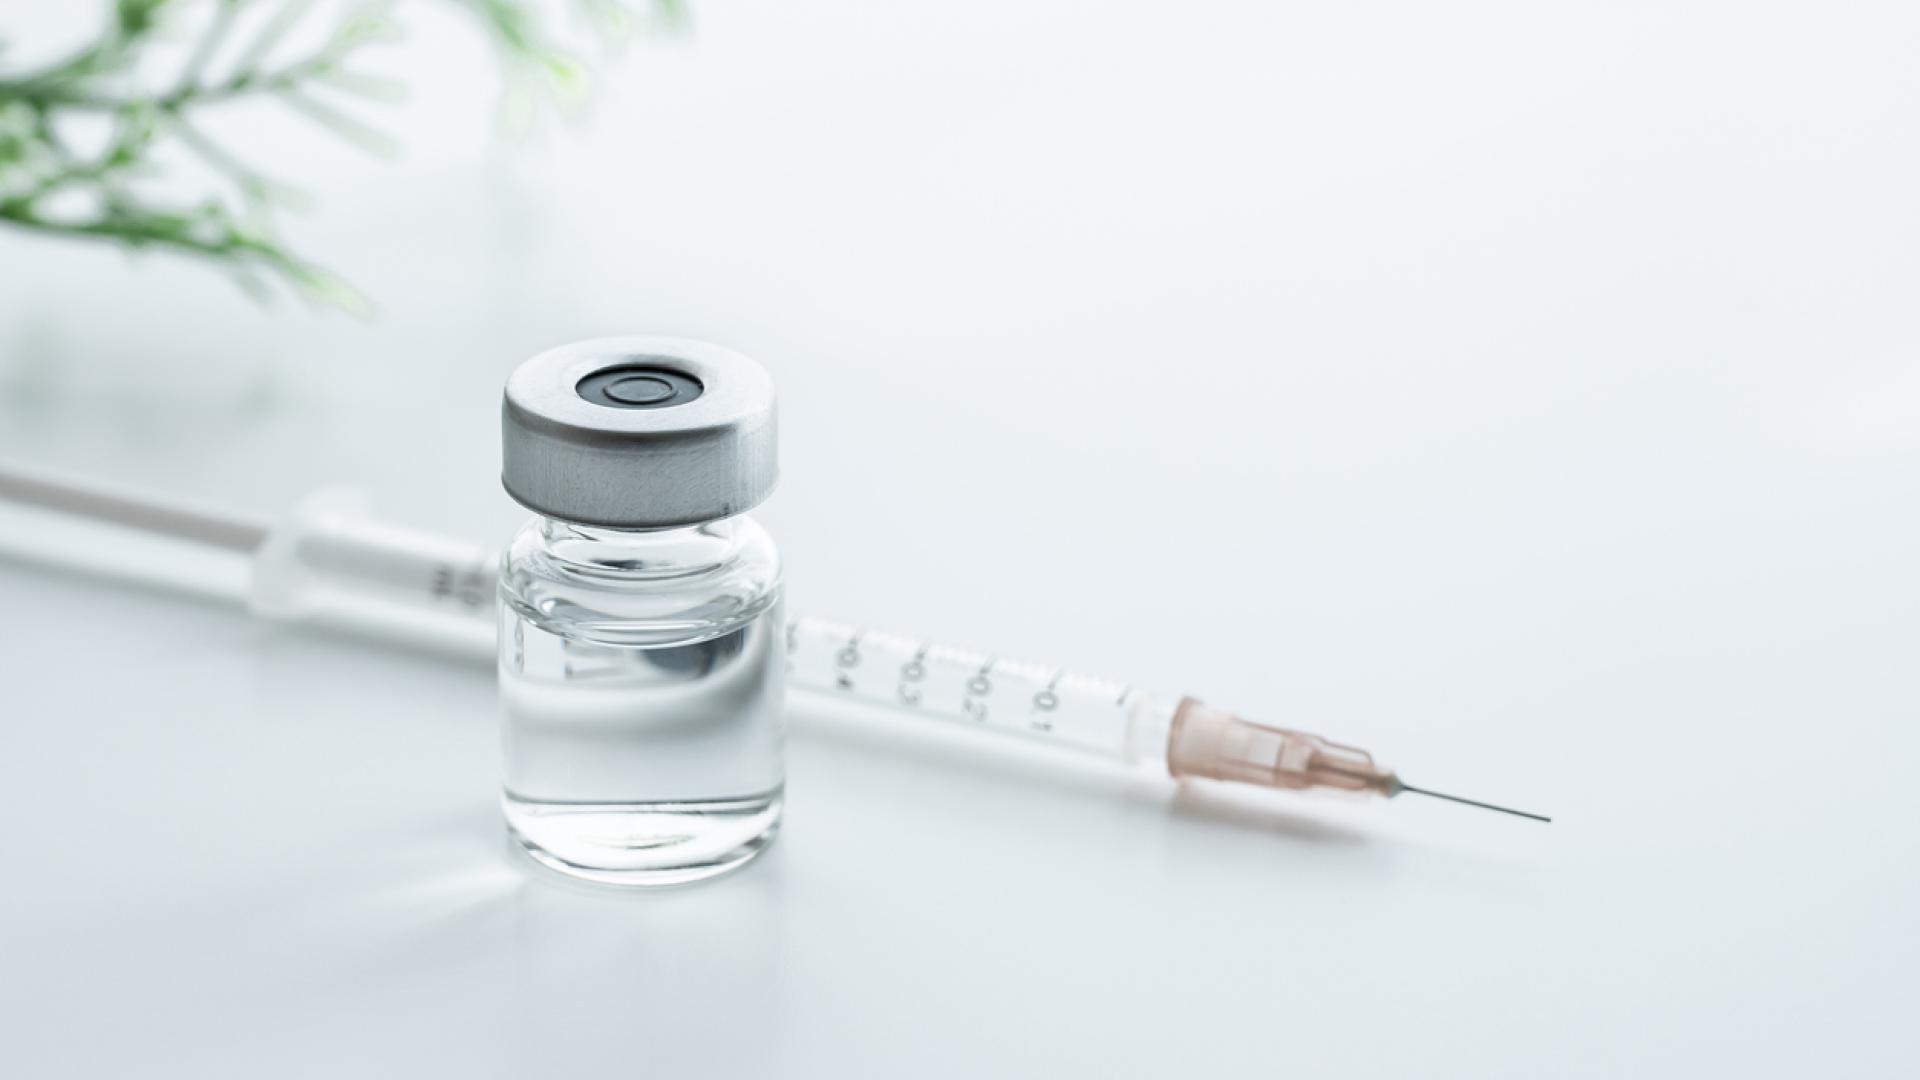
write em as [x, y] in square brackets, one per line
[642, 552]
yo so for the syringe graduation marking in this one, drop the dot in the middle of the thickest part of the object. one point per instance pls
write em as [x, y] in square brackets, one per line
[978, 688]
[1045, 701]
[848, 658]
[911, 672]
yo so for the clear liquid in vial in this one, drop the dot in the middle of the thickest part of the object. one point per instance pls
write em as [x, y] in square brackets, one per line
[641, 765]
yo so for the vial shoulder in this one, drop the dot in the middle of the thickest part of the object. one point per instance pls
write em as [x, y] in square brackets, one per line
[641, 590]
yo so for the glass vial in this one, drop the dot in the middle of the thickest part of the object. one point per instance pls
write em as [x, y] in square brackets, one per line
[641, 641]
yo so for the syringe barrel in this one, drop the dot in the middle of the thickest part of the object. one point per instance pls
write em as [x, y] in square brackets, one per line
[920, 678]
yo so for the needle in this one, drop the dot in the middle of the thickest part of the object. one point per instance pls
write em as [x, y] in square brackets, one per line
[1470, 802]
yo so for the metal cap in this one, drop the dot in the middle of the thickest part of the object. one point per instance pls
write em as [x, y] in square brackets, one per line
[639, 433]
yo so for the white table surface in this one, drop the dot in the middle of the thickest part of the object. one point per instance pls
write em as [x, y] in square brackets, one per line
[1527, 395]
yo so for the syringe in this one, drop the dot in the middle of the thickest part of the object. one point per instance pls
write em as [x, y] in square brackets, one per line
[330, 562]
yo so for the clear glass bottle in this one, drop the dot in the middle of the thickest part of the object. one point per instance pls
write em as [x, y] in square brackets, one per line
[642, 657]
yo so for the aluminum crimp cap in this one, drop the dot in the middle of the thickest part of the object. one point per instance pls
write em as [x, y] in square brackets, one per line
[639, 433]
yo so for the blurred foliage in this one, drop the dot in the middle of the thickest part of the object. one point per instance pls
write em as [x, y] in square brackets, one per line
[55, 179]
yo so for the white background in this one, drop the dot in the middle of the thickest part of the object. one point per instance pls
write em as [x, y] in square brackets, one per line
[1525, 392]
